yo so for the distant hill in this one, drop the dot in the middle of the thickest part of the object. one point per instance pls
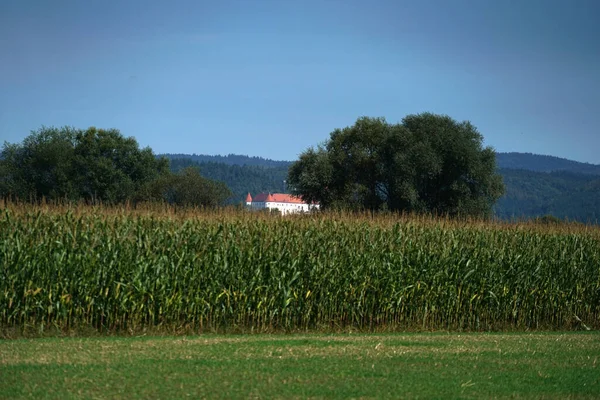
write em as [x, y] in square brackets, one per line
[240, 179]
[563, 194]
[535, 185]
[526, 161]
[230, 159]
[539, 163]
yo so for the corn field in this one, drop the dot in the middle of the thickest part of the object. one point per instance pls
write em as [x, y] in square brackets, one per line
[125, 270]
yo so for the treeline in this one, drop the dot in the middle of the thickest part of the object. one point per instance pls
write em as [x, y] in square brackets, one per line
[230, 159]
[240, 179]
[562, 194]
[542, 163]
[98, 166]
[572, 193]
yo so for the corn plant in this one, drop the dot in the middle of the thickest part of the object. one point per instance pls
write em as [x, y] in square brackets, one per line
[125, 269]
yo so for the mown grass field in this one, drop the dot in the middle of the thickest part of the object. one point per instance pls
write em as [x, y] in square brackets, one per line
[392, 366]
[117, 270]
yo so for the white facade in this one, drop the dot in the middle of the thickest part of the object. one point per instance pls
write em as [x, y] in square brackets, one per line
[285, 203]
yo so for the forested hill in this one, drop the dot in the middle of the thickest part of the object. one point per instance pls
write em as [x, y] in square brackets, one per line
[539, 163]
[535, 185]
[230, 159]
[563, 194]
[527, 161]
[242, 174]
[240, 179]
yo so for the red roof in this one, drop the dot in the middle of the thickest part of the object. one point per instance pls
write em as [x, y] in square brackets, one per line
[277, 198]
[248, 198]
[261, 197]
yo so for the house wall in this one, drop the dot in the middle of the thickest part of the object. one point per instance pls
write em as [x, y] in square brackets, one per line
[285, 208]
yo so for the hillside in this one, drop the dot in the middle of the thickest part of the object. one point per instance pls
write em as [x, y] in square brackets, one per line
[535, 185]
[240, 179]
[526, 161]
[230, 159]
[563, 194]
[540, 163]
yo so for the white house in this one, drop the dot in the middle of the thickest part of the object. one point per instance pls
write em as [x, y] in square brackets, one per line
[286, 203]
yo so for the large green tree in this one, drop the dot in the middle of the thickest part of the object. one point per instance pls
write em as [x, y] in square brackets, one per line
[40, 166]
[73, 164]
[427, 163]
[97, 165]
[111, 167]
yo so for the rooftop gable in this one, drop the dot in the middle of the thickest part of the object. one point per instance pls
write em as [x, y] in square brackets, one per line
[277, 198]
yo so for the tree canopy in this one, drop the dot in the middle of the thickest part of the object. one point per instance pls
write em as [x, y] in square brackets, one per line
[98, 165]
[427, 163]
[188, 188]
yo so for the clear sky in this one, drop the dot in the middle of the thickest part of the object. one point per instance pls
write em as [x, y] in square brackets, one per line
[270, 78]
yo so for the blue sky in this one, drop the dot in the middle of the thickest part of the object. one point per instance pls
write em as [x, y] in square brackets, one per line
[271, 78]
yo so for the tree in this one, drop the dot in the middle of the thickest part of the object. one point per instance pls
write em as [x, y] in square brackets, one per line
[73, 164]
[111, 167]
[189, 188]
[39, 167]
[312, 177]
[427, 163]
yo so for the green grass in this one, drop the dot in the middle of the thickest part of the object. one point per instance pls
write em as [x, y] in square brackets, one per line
[541, 365]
